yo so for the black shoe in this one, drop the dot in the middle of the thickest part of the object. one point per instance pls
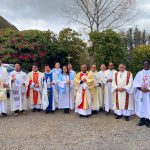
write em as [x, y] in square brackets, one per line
[66, 110]
[118, 116]
[101, 110]
[81, 116]
[147, 121]
[87, 116]
[16, 113]
[127, 118]
[141, 122]
[38, 110]
[94, 112]
[4, 114]
[34, 110]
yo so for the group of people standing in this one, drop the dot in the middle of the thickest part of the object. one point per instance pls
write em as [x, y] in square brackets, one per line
[88, 92]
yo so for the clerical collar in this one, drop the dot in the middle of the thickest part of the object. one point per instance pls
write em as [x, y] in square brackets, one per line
[122, 71]
[48, 72]
[17, 71]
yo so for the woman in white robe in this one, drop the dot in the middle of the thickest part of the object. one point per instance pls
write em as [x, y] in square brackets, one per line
[66, 93]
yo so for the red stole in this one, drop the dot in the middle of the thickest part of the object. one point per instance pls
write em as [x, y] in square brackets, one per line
[127, 94]
[81, 106]
[35, 93]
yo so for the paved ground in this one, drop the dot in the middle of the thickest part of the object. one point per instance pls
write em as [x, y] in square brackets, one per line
[39, 131]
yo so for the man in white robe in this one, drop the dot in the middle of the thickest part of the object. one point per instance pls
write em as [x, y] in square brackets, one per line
[142, 94]
[47, 85]
[3, 90]
[56, 71]
[101, 74]
[18, 83]
[66, 91]
[97, 101]
[122, 89]
[108, 76]
[84, 85]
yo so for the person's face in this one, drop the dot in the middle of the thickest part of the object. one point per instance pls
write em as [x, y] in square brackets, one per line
[146, 65]
[0, 62]
[65, 69]
[103, 68]
[84, 68]
[34, 68]
[111, 66]
[93, 68]
[70, 66]
[17, 67]
[122, 68]
[57, 65]
[47, 69]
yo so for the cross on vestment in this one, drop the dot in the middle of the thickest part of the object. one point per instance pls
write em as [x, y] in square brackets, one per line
[145, 79]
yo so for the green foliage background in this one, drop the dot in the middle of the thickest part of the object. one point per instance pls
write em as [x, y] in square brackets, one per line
[45, 47]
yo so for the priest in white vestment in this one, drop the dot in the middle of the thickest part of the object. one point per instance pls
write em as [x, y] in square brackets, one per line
[18, 83]
[97, 101]
[101, 74]
[3, 90]
[122, 89]
[142, 94]
[84, 86]
[66, 90]
[56, 71]
[108, 76]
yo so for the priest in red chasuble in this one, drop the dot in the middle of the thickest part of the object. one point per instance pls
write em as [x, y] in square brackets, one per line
[33, 89]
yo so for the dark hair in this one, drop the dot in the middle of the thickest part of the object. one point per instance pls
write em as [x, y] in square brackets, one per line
[146, 61]
[35, 65]
[67, 69]
[47, 65]
[17, 63]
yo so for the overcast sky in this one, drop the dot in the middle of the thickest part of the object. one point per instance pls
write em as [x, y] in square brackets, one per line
[49, 14]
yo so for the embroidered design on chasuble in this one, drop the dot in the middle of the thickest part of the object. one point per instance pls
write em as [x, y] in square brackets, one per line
[84, 104]
[127, 94]
[35, 93]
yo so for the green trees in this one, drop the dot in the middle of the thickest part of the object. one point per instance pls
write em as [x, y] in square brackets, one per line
[107, 46]
[45, 47]
[40, 47]
[140, 53]
[72, 44]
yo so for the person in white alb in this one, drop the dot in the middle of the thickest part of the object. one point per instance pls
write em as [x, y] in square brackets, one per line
[142, 94]
[3, 91]
[18, 83]
[108, 76]
[122, 89]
